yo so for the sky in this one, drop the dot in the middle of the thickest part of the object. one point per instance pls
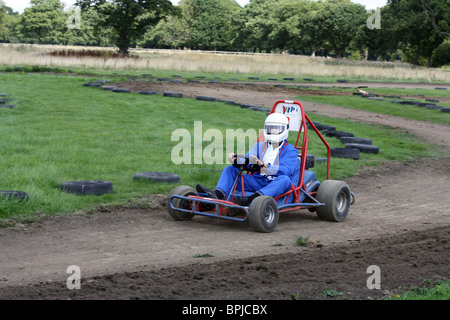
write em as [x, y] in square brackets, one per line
[20, 5]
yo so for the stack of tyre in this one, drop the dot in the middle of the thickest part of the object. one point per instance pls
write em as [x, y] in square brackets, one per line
[353, 145]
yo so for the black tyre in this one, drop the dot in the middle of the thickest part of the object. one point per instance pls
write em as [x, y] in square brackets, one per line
[180, 203]
[263, 214]
[108, 88]
[157, 177]
[14, 195]
[173, 94]
[205, 98]
[339, 134]
[363, 147]
[337, 199]
[87, 187]
[149, 92]
[346, 153]
[121, 90]
[356, 140]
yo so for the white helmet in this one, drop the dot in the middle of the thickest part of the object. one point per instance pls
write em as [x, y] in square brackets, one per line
[276, 127]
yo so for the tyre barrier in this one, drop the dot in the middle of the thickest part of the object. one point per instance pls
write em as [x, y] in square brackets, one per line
[356, 140]
[108, 88]
[365, 148]
[150, 92]
[157, 177]
[339, 134]
[121, 90]
[14, 195]
[173, 94]
[93, 84]
[346, 153]
[205, 98]
[9, 106]
[87, 187]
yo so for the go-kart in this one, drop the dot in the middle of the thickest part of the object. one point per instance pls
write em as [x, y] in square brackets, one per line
[330, 199]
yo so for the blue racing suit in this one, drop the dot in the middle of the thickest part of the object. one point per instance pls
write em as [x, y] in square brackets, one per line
[279, 175]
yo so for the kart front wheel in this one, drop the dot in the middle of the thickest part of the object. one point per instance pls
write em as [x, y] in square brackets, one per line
[337, 199]
[263, 214]
[180, 203]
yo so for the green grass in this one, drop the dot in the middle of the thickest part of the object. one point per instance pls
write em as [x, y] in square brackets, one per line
[439, 290]
[385, 107]
[224, 76]
[302, 241]
[380, 91]
[61, 131]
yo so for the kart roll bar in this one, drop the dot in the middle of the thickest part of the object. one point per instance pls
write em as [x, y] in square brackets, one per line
[294, 111]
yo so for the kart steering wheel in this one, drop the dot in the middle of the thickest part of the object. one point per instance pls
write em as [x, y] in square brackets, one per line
[246, 166]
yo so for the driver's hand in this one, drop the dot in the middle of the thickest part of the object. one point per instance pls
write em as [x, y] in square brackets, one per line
[258, 162]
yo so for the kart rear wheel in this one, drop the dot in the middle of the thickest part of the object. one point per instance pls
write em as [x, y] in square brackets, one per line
[337, 199]
[180, 203]
[263, 214]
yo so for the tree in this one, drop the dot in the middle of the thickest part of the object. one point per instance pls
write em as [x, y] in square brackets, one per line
[208, 22]
[415, 33]
[3, 20]
[90, 33]
[339, 23]
[439, 14]
[44, 21]
[128, 19]
[253, 25]
[297, 27]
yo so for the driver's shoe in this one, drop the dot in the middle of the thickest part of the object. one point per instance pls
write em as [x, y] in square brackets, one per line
[203, 189]
[245, 201]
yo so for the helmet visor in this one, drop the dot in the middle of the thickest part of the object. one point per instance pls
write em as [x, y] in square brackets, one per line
[274, 129]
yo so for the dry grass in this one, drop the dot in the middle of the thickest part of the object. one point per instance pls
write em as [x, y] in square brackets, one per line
[209, 62]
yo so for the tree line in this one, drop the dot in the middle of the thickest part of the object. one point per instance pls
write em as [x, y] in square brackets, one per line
[415, 31]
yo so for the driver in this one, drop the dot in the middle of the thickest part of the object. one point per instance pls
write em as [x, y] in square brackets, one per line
[277, 159]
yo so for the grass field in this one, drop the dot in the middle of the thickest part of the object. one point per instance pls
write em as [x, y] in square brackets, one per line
[434, 290]
[186, 62]
[385, 107]
[61, 131]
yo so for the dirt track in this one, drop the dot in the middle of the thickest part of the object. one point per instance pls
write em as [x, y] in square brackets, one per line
[400, 222]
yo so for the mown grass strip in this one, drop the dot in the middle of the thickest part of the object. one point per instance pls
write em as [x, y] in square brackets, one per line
[385, 107]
